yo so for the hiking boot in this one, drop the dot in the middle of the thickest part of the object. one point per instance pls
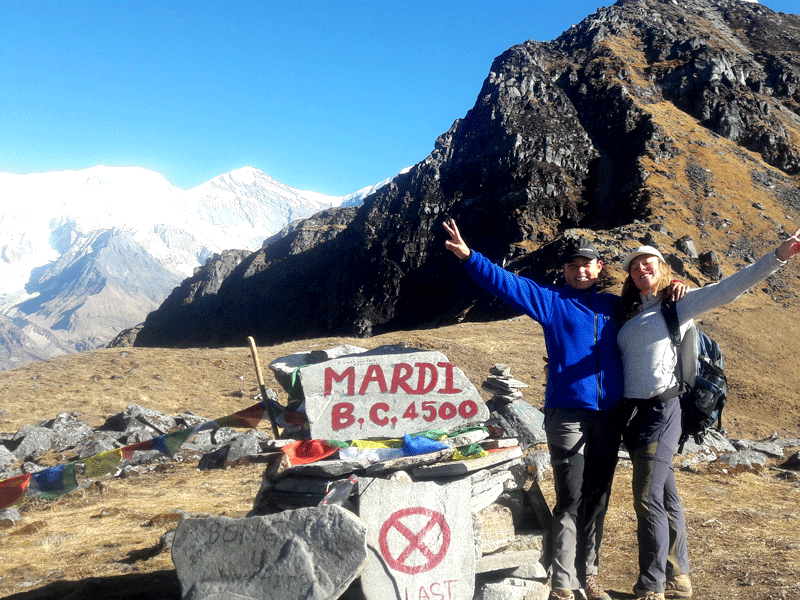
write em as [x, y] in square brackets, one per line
[648, 595]
[679, 586]
[561, 594]
[593, 590]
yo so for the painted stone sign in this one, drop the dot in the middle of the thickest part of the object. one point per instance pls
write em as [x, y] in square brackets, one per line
[420, 539]
[389, 395]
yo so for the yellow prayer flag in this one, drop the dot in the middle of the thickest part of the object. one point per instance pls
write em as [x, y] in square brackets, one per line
[103, 463]
[368, 444]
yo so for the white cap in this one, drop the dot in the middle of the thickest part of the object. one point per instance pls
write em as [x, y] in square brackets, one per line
[639, 252]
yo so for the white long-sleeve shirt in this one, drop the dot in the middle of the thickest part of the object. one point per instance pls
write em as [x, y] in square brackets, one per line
[648, 355]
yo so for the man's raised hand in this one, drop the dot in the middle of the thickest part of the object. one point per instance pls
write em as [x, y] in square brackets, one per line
[456, 244]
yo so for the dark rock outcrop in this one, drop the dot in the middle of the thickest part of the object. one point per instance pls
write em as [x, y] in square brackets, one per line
[191, 307]
[194, 311]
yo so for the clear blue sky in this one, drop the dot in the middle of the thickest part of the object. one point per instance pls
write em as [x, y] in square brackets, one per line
[324, 95]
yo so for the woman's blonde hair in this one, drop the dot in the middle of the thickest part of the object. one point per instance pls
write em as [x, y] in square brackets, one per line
[631, 300]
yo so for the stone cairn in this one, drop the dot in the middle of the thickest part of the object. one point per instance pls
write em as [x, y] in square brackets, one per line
[498, 496]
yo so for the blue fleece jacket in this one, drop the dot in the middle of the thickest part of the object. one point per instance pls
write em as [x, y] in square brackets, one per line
[585, 370]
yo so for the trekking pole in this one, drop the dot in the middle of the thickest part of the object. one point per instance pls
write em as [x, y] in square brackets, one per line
[262, 387]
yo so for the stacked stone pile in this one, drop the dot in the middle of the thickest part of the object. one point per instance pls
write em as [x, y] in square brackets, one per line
[509, 407]
[499, 496]
[504, 387]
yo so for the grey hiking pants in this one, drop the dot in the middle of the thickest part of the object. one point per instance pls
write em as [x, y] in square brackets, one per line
[652, 438]
[584, 445]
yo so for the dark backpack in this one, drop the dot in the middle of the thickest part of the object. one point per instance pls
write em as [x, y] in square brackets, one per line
[701, 378]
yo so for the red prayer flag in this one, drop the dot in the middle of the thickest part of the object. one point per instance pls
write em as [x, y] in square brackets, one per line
[303, 452]
[249, 417]
[12, 490]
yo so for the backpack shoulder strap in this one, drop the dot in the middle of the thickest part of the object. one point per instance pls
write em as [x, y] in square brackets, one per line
[670, 312]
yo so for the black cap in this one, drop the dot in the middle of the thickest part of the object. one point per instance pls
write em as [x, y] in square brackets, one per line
[580, 247]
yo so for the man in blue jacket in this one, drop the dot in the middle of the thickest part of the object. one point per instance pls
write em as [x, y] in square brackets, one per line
[583, 410]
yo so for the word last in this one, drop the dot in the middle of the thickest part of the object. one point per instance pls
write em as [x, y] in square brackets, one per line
[436, 591]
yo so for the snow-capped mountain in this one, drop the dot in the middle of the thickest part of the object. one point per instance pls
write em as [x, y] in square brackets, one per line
[85, 254]
[357, 198]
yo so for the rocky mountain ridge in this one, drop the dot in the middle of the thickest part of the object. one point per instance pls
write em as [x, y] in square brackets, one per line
[650, 121]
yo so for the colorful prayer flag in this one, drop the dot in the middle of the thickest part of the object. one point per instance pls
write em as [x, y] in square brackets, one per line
[365, 444]
[421, 445]
[170, 443]
[432, 434]
[469, 452]
[249, 417]
[103, 463]
[372, 454]
[12, 491]
[55, 481]
[303, 452]
[128, 450]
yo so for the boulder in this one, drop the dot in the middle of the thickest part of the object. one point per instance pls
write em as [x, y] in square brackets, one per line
[310, 553]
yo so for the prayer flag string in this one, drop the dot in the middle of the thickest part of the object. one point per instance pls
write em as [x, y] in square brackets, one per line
[55, 481]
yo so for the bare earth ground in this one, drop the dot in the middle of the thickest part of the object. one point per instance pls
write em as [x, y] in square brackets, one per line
[102, 542]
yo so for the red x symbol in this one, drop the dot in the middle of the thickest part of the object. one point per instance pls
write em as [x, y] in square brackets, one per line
[416, 541]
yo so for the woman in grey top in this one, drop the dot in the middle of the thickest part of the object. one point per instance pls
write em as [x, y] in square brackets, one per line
[649, 359]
